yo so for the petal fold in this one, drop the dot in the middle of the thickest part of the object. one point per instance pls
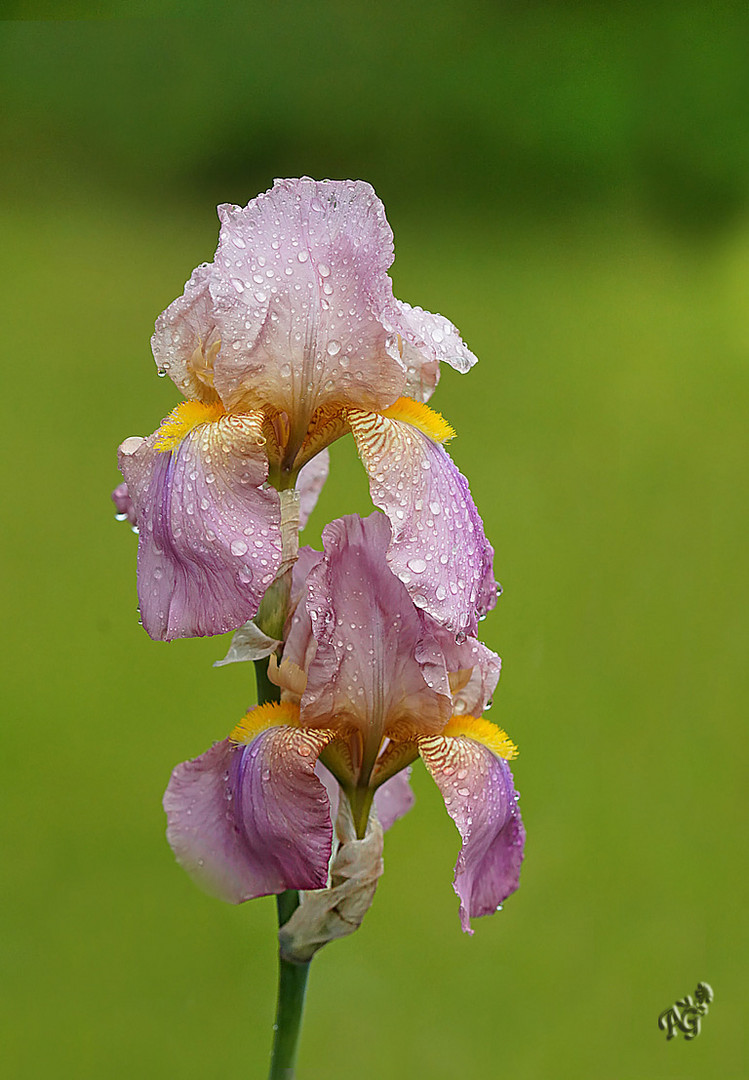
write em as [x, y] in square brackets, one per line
[210, 541]
[480, 797]
[186, 340]
[425, 340]
[247, 821]
[438, 549]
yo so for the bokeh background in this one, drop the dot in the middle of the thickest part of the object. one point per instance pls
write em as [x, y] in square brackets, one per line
[569, 183]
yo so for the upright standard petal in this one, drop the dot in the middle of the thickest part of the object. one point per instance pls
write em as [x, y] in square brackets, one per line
[246, 821]
[480, 797]
[438, 549]
[299, 288]
[209, 542]
[367, 631]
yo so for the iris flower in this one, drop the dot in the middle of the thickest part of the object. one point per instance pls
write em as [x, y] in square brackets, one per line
[369, 682]
[290, 338]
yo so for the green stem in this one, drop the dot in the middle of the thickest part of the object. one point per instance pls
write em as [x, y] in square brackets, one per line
[292, 978]
[292, 984]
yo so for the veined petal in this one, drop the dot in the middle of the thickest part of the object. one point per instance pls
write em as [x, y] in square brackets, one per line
[364, 674]
[300, 285]
[186, 341]
[246, 821]
[480, 797]
[425, 340]
[438, 549]
[310, 483]
[209, 542]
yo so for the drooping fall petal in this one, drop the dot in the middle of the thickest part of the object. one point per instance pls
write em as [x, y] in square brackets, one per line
[438, 548]
[209, 542]
[480, 797]
[246, 821]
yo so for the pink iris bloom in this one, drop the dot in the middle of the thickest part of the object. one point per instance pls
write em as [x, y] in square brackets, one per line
[369, 682]
[290, 338]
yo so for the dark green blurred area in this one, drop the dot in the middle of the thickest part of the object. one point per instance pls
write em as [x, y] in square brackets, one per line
[569, 184]
[533, 106]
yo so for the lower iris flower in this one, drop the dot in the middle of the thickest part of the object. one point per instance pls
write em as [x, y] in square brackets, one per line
[368, 682]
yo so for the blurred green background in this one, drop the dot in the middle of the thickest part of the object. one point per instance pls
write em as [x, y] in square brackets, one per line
[570, 184]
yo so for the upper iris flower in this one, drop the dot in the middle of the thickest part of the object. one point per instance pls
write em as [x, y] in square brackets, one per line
[368, 683]
[290, 338]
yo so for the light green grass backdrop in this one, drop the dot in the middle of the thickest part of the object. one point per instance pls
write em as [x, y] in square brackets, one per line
[600, 272]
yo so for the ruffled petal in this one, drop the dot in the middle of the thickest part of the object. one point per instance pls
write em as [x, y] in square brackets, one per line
[310, 483]
[366, 628]
[209, 542]
[247, 821]
[480, 797]
[425, 340]
[300, 286]
[438, 549]
[186, 340]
